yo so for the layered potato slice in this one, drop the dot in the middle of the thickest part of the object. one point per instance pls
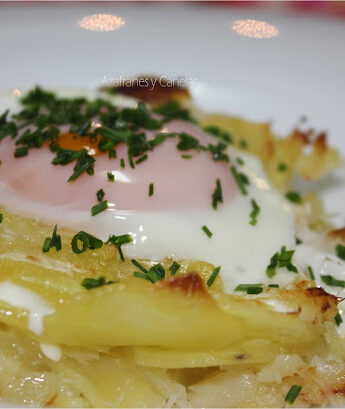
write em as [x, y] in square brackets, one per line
[176, 314]
[283, 158]
[134, 343]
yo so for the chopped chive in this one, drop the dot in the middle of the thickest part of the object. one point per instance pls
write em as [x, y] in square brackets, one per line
[122, 162]
[174, 267]
[112, 154]
[254, 290]
[213, 276]
[187, 142]
[98, 208]
[53, 241]
[254, 213]
[217, 196]
[338, 320]
[46, 245]
[243, 144]
[156, 273]
[141, 275]
[186, 156]
[282, 167]
[311, 273]
[20, 152]
[333, 282]
[119, 241]
[240, 161]
[298, 241]
[90, 283]
[111, 177]
[87, 240]
[294, 197]
[131, 162]
[293, 393]
[100, 195]
[340, 250]
[207, 231]
[282, 259]
[151, 189]
[1, 218]
[273, 285]
[140, 267]
[250, 288]
[141, 159]
[241, 179]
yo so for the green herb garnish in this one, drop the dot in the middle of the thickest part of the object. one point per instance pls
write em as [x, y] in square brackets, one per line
[213, 276]
[340, 250]
[1, 217]
[141, 159]
[333, 282]
[119, 241]
[254, 213]
[219, 133]
[140, 275]
[241, 179]
[217, 196]
[186, 156]
[311, 273]
[338, 320]
[250, 288]
[138, 265]
[20, 152]
[172, 110]
[282, 167]
[208, 232]
[293, 393]
[90, 283]
[187, 142]
[282, 259]
[111, 177]
[98, 208]
[218, 152]
[243, 144]
[53, 241]
[151, 189]
[174, 267]
[87, 241]
[100, 195]
[240, 161]
[294, 197]
[155, 273]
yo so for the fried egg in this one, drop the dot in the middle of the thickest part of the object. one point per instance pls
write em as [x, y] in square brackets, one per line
[168, 223]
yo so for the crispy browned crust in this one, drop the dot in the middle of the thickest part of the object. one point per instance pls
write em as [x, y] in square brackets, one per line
[337, 234]
[161, 93]
[325, 300]
[190, 284]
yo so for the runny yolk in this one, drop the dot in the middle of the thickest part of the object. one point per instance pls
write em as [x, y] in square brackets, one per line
[76, 142]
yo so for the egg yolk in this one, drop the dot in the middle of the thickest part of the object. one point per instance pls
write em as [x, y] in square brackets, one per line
[179, 183]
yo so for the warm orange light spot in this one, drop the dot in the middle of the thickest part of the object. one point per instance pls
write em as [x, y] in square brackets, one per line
[102, 22]
[16, 93]
[76, 142]
[255, 29]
